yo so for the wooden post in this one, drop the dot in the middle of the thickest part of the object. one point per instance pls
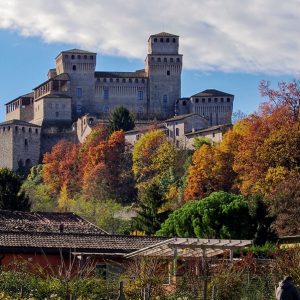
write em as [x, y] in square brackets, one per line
[214, 293]
[205, 275]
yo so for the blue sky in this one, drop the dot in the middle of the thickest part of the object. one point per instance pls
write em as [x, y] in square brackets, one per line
[228, 45]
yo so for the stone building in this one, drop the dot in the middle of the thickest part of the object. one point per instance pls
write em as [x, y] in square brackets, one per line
[75, 92]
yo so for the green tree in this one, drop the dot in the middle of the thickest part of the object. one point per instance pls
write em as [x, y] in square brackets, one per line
[150, 213]
[220, 215]
[11, 198]
[121, 119]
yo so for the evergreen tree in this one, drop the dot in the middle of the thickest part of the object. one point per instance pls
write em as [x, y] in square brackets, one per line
[121, 119]
[150, 213]
[10, 196]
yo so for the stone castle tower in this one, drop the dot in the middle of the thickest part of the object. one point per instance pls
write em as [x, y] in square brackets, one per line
[163, 66]
[80, 65]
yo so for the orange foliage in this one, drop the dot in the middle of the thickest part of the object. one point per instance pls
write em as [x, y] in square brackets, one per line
[60, 166]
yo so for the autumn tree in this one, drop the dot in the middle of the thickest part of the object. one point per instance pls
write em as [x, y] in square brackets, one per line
[121, 119]
[153, 156]
[11, 196]
[60, 167]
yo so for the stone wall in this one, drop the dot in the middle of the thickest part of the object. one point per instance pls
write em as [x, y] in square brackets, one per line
[6, 147]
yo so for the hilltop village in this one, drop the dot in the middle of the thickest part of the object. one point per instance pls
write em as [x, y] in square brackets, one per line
[75, 97]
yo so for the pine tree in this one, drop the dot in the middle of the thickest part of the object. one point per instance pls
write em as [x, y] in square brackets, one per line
[10, 196]
[121, 119]
[150, 213]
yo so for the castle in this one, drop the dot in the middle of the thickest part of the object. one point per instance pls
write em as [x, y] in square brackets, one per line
[74, 89]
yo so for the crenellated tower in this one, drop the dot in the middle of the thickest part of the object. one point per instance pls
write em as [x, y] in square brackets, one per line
[163, 66]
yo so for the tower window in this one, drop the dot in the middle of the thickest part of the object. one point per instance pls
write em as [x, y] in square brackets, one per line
[117, 80]
[165, 59]
[196, 100]
[222, 99]
[16, 128]
[143, 80]
[124, 80]
[66, 56]
[155, 40]
[136, 80]
[106, 93]
[140, 95]
[29, 130]
[57, 114]
[130, 80]
[178, 59]
[78, 56]
[171, 59]
[228, 99]
[167, 40]
[216, 99]
[23, 129]
[159, 59]
[25, 142]
[74, 67]
[209, 100]
[72, 56]
[36, 131]
[203, 100]
[79, 92]
[161, 40]
[91, 57]
[104, 79]
[183, 103]
[168, 73]
[174, 40]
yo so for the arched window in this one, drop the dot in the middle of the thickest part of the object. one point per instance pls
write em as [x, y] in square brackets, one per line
[165, 59]
[159, 59]
[136, 80]
[79, 56]
[167, 40]
[74, 67]
[72, 56]
[161, 40]
[155, 40]
[174, 40]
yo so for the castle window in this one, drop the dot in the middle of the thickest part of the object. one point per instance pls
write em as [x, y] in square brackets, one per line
[16, 128]
[85, 56]
[66, 56]
[117, 80]
[155, 40]
[177, 131]
[203, 100]
[106, 93]
[165, 59]
[57, 114]
[140, 95]
[23, 129]
[228, 99]
[25, 142]
[196, 100]
[209, 100]
[74, 68]
[111, 80]
[124, 80]
[161, 40]
[178, 59]
[29, 130]
[167, 40]
[168, 73]
[130, 80]
[78, 56]
[159, 59]
[171, 59]
[183, 103]
[222, 99]
[216, 99]
[72, 56]
[136, 80]
[36, 131]
[91, 57]
[174, 40]
[104, 79]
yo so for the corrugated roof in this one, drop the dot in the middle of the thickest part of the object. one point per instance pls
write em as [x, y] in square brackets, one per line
[212, 93]
[136, 74]
[19, 123]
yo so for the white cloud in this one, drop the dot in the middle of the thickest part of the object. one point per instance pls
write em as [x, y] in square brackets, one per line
[225, 35]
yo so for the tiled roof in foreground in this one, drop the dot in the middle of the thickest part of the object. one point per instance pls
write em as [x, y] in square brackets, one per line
[47, 222]
[88, 243]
